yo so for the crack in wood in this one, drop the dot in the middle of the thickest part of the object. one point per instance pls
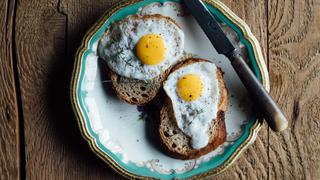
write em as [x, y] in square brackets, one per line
[20, 127]
[8, 113]
[295, 112]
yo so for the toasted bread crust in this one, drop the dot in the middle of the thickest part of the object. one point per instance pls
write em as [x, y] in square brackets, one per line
[125, 88]
[218, 127]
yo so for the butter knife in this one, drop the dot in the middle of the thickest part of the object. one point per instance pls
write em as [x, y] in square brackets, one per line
[271, 112]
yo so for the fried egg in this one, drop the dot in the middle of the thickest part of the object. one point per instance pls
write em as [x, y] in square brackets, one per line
[142, 47]
[194, 93]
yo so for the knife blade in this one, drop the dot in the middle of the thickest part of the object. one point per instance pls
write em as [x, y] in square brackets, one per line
[210, 26]
[269, 110]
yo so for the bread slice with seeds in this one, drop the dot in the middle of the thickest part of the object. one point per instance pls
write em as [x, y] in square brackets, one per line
[175, 142]
[135, 91]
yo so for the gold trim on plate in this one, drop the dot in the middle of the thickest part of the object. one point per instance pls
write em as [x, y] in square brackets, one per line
[80, 119]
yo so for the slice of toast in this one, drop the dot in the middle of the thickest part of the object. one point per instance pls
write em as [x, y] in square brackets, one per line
[134, 91]
[175, 142]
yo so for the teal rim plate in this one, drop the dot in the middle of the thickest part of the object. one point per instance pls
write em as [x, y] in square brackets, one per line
[123, 135]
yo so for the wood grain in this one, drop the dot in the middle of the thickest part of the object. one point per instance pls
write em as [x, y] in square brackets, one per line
[46, 38]
[253, 163]
[294, 54]
[9, 121]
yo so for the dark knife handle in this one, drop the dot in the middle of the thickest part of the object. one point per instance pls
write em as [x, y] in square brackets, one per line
[268, 108]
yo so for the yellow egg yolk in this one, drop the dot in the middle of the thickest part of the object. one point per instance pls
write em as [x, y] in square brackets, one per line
[190, 87]
[151, 49]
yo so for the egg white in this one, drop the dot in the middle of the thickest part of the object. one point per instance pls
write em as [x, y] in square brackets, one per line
[194, 117]
[117, 47]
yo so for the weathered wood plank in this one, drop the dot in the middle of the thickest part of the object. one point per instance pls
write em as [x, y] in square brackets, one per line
[54, 146]
[253, 163]
[294, 54]
[9, 121]
[40, 41]
[81, 16]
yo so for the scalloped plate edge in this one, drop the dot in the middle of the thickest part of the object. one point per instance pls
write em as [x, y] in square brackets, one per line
[79, 114]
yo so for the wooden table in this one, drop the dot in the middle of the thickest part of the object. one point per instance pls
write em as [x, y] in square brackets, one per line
[39, 137]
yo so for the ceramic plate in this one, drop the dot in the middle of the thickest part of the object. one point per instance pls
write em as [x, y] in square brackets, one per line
[123, 135]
